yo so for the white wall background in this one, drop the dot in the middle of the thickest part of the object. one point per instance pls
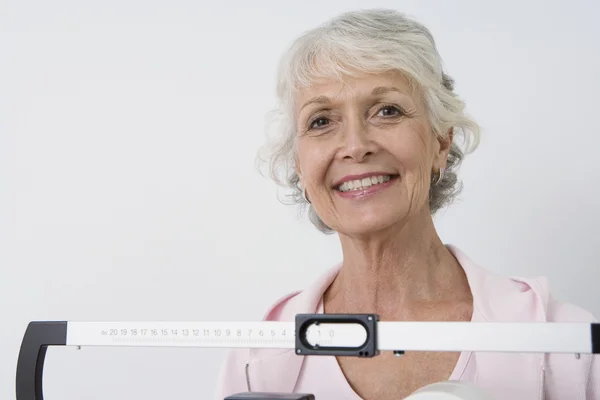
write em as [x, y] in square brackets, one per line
[128, 131]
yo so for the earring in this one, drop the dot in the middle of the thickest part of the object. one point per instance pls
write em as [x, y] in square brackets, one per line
[440, 176]
[305, 195]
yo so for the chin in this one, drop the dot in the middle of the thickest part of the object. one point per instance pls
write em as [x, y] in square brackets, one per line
[367, 225]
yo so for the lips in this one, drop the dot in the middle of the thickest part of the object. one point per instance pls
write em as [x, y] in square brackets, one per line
[364, 183]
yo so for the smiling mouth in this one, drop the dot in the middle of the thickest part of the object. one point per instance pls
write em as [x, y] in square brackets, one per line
[365, 183]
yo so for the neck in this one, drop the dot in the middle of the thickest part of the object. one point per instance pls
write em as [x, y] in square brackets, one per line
[397, 274]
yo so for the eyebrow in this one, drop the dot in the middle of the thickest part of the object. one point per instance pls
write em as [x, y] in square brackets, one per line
[378, 91]
[316, 100]
[381, 90]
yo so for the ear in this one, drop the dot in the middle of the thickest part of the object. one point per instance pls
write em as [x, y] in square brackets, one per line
[297, 169]
[441, 156]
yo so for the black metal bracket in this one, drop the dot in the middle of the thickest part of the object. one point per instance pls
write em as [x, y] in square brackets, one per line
[30, 365]
[595, 334]
[367, 349]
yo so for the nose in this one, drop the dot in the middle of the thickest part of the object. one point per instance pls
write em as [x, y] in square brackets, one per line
[357, 143]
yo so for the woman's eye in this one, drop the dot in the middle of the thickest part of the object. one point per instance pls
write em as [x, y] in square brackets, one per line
[389, 111]
[319, 123]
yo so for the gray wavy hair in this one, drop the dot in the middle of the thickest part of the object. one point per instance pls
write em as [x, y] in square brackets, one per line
[359, 42]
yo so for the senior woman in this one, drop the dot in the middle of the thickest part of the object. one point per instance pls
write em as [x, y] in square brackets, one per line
[370, 134]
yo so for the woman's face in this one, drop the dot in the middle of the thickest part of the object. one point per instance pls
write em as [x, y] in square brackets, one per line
[366, 152]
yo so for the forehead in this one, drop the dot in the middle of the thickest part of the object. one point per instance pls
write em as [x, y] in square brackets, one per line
[355, 86]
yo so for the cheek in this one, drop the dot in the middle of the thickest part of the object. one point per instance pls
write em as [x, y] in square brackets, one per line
[411, 152]
[313, 162]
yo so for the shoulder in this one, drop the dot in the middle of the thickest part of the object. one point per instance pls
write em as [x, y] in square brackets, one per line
[500, 297]
[279, 310]
[301, 301]
[563, 311]
[549, 308]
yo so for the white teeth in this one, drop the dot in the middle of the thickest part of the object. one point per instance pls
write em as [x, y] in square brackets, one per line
[360, 184]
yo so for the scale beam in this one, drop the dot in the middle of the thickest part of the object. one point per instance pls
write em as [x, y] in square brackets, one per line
[354, 335]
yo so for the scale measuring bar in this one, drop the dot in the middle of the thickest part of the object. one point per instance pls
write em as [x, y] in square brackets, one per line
[358, 335]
